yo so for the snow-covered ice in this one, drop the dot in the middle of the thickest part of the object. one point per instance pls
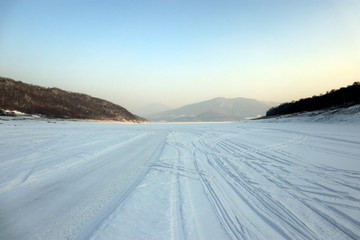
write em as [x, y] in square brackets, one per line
[248, 180]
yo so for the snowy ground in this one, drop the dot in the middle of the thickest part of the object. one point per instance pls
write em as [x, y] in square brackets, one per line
[248, 180]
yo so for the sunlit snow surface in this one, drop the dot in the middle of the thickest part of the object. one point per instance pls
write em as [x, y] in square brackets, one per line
[246, 180]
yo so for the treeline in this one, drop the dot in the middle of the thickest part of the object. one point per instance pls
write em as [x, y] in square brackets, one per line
[346, 96]
[57, 103]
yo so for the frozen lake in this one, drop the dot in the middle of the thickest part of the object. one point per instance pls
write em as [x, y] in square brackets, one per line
[246, 180]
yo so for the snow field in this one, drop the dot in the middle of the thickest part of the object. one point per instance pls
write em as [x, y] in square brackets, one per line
[246, 180]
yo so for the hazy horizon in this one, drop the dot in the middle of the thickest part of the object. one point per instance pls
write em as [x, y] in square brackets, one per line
[135, 53]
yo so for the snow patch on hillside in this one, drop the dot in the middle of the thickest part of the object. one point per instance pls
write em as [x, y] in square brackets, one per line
[332, 115]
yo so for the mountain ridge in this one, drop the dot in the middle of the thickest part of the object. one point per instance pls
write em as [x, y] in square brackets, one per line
[216, 109]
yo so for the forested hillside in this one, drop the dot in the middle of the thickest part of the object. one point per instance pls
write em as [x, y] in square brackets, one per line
[346, 96]
[54, 102]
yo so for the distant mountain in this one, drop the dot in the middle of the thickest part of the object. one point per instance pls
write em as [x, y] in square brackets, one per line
[215, 110]
[152, 109]
[54, 102]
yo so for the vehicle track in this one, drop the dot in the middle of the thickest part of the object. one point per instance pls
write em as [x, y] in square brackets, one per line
[260, 160]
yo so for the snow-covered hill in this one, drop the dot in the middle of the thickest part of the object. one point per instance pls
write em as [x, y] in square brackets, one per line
[330, 115]
[261, 179]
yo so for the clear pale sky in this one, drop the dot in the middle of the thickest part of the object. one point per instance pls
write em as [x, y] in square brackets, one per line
[178, 52]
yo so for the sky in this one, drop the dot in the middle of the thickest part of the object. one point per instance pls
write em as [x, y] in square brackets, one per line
[139, 52]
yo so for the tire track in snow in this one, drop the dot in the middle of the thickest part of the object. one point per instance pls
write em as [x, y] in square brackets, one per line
[125, 193]
[274, 210]
[228, 223]
[303, 197]
[191, 225]
[177, 215]
[259, 201]
[273, 207]
[320, 207]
